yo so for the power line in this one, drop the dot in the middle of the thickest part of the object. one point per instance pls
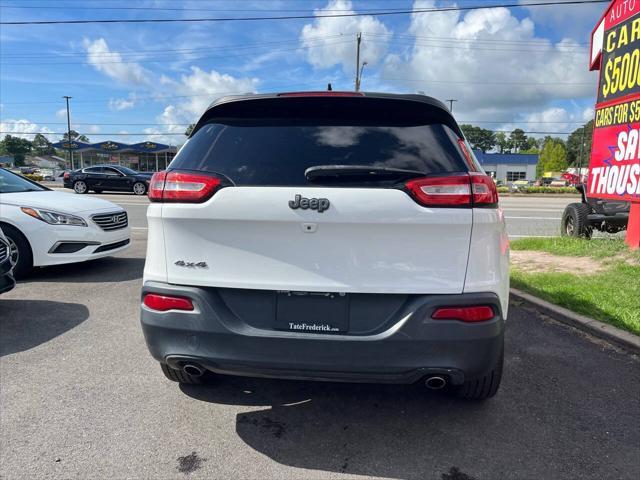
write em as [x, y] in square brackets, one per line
[531, 132]
[376, 13]
[472, 40]
[176, 50]
[250, 54]
[467, 82]
[155, 124]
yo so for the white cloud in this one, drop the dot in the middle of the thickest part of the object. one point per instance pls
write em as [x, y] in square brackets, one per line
[119, 104]
[62, 113]
[93, 129]
[23, 128]
[199, 89]
[332, 41]
[489, 60]
[109, 62]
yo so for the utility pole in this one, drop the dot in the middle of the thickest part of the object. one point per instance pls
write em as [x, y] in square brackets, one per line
[451, 100]
[360, 77]
[66, 97]
[358, 41]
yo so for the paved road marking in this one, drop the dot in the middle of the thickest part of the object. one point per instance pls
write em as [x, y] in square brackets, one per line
[533, 218]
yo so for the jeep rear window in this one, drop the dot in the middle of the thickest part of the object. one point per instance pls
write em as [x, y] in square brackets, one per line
[276, 152]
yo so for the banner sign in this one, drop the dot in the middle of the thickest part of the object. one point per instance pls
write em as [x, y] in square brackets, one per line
[614, 167]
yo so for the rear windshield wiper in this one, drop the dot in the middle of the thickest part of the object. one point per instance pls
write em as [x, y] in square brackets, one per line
[359, 171]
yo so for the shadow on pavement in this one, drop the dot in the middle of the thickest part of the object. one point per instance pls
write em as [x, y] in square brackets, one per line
[109, 269]
[25, 324]
[390, 431]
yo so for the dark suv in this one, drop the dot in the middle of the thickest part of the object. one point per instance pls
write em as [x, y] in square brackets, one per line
[102, 178]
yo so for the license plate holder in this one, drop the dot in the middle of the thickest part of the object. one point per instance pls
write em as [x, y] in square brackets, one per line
[312, 312]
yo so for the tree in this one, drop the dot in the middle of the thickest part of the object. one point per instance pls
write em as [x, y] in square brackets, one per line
[16, 147]
[75, 136]
[189, 129]
[479, 138]
[575, 145]
[553, 157]
[503, 143]
[41, 145]
[518, 140]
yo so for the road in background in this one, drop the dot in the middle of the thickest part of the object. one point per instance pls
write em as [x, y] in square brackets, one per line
[526, 216]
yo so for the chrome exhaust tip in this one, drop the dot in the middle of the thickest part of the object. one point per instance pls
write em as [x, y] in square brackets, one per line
[193, 370]
[435, 383]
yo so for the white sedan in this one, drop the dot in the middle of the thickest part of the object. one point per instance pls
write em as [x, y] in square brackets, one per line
[45, 227]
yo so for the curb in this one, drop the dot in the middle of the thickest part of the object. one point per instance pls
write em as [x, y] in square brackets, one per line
[611, 334]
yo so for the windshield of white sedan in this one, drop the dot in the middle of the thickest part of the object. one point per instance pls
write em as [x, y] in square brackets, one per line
[12, 183]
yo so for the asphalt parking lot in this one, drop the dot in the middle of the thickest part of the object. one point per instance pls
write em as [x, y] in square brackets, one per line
[80, 397]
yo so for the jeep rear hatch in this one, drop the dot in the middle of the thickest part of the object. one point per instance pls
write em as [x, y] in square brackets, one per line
[389, 214]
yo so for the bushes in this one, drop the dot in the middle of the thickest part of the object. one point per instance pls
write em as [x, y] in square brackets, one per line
[529, 190]
[33, 176]
[549, 190]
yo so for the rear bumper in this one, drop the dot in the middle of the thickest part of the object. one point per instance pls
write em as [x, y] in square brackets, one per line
[409, 347]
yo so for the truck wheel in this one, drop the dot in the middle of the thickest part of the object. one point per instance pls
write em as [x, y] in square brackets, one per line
[575, 221]
[486, 386]
[180, 376]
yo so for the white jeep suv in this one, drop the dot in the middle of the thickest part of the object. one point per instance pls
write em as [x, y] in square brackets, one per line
[329, 236]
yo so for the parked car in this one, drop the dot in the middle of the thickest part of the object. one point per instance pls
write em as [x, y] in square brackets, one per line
[328, 236]
[521, 184]
[103, 178]
[44, 227]
[7, 281]
[581, 219]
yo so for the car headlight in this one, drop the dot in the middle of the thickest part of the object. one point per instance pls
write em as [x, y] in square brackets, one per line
[54, 218]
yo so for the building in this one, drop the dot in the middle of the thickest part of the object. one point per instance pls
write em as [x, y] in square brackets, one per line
[143, 156]
[509, 167]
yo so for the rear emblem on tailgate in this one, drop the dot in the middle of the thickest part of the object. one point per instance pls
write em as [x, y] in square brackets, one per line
[182, 263]
[319, 204]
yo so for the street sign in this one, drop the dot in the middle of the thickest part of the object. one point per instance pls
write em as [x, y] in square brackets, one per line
[614, 167]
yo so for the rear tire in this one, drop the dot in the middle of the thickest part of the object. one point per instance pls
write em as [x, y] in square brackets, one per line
[22, 257]
[180, 376]
[575, 221]
[139, 188]
[483, 387]
[80, 187]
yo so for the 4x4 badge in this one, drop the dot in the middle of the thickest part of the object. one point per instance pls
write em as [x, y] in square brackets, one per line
[182, 263]
[319, 204]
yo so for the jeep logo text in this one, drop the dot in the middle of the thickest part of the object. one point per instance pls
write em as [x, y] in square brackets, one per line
[320, 204]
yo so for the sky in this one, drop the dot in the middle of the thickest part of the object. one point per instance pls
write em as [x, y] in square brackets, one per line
[523, 67]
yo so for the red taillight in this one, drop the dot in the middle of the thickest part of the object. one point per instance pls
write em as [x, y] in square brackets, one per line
[485, 192]
[182, 187]
[471, 189]
[66, 176]
[453, 191]
[163, 303]
[464, 314]
[321, 94]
